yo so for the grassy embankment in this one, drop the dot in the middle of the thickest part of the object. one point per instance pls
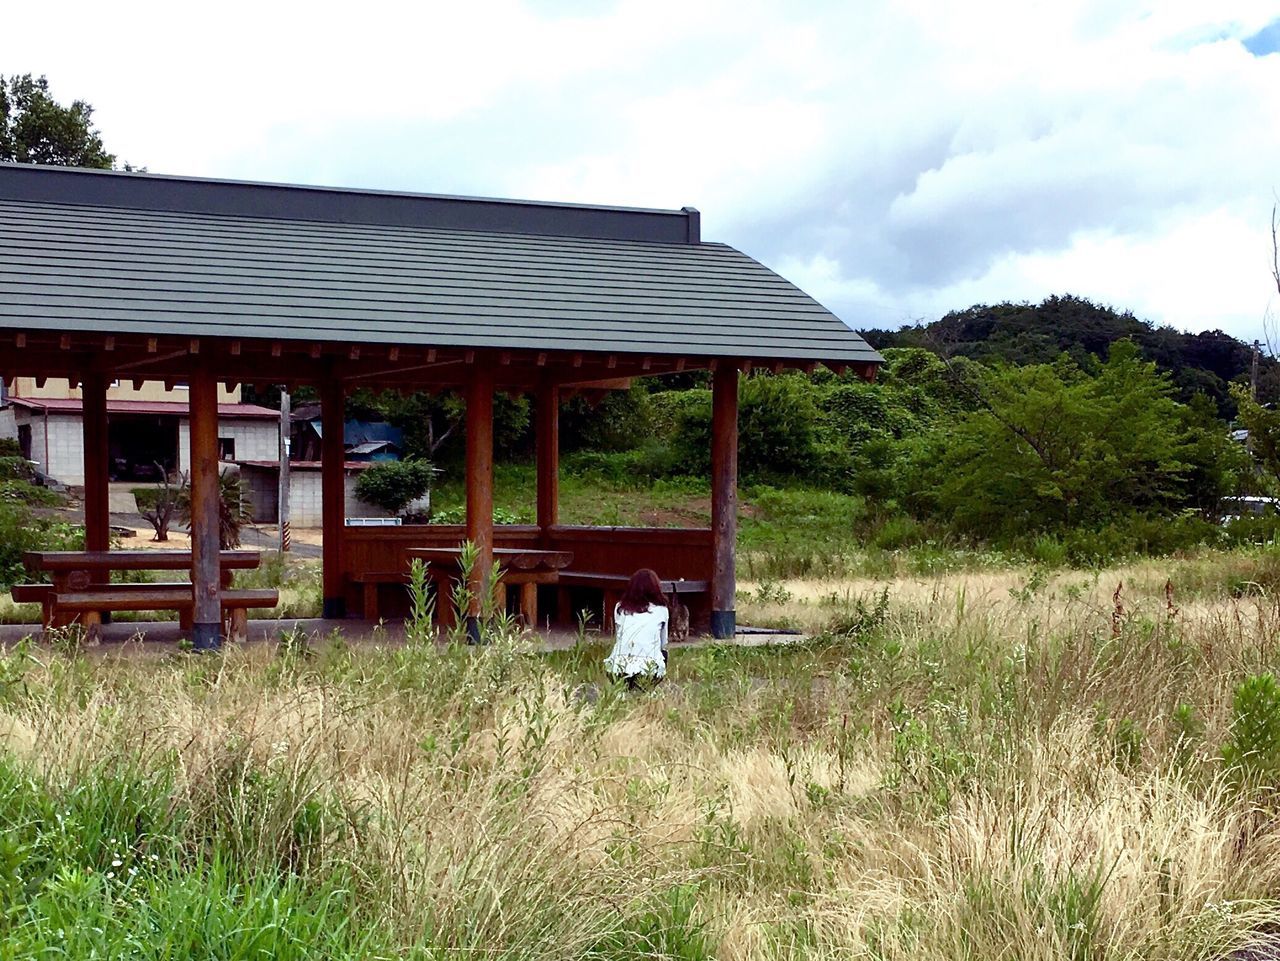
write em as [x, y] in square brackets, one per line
[985, 764]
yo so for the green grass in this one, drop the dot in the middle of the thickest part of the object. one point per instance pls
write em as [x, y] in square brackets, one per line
[1000, 764]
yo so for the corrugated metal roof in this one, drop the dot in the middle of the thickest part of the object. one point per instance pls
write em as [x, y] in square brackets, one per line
[62, 405]
[92, 266]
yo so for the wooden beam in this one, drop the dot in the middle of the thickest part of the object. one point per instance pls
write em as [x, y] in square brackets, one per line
[152, 345]
[97, 459]
[64, 342]
[315, 351]
[393, 354]
[277, 349]
[547, 439]
[206, 627]
[109, 343]
[333, 498]
[479, 487]
[724, 498]
[235, 348]
[20, 341]
[194, 345]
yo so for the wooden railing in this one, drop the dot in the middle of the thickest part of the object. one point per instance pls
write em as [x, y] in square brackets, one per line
[674, 552]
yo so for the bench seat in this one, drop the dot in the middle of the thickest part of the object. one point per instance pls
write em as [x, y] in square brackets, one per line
[93, 602]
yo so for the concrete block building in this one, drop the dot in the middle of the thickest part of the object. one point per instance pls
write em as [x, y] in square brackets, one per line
[147, 424]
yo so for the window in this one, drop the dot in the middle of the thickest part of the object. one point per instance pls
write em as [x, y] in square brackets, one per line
[226, 448]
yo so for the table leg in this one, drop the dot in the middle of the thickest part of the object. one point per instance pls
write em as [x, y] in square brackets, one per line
[239, 617]
[529, 604]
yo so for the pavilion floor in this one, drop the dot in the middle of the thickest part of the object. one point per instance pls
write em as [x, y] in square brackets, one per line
[161, 637]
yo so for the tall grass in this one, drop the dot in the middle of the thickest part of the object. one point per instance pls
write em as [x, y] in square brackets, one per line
[991, 765]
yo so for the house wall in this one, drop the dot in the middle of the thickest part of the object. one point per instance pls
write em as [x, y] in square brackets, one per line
[59, 388]
[255, 439]
[306, 499]
[63, 458]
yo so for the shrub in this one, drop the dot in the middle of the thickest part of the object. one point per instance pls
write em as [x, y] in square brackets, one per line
[458, 515]
[9, 447]
[1253, 746]
[14, 467]
[394, 484]
[233, 508]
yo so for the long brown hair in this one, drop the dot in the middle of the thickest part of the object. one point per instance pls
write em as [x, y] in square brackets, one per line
[643, 590]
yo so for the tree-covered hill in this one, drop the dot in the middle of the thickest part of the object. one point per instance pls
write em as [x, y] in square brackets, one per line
[1205, 362]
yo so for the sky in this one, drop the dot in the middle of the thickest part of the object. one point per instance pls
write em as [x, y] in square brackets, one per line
[895, 160]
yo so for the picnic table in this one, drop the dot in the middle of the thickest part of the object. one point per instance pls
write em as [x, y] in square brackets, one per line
[518, 566]
[80, 586]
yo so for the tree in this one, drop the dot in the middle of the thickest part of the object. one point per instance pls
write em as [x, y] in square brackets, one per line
[36, 129]
[1056, 446]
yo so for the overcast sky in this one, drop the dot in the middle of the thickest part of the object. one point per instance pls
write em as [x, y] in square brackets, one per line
[896, 160]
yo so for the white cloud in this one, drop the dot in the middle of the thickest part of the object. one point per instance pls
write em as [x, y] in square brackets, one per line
[896, 159]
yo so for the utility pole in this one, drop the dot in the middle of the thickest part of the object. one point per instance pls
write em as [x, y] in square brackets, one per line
[286, 428]
[1253, 372]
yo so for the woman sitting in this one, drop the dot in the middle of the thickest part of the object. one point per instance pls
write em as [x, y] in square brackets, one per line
[640, 627]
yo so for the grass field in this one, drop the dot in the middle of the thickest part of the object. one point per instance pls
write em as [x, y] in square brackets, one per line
[985, 763]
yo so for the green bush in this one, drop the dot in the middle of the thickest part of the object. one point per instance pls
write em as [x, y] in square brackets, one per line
[458, 515]
[9, 447]
[25, 492]
[1253, 745]
[394, 484]
[15, 468]
[21, 531]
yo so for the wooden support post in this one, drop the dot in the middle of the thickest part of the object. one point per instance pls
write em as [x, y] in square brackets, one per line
[333, 498]
[480, 486]
[97, 477]
[97, 455]
[724, 497]
[548, 444]
[206, 620]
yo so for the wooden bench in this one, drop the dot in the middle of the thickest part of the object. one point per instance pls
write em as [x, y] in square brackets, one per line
[81, 589]
[613, 586]
[236, 602]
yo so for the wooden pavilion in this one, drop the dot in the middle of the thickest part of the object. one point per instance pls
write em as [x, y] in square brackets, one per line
[107, 276]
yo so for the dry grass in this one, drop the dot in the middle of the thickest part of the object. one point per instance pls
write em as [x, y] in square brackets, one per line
[1000, 765]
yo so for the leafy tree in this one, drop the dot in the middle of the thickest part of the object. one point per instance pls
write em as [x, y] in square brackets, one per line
[36, 129]
[1055, 447]
[434, 424]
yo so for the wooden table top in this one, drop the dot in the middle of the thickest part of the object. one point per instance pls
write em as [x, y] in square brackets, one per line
[510, 558]
[131, 560]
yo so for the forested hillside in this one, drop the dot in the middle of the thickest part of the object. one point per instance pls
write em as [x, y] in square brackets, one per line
[1205, 362]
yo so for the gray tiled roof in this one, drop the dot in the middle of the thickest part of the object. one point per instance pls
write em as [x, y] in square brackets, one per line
[91, 251]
